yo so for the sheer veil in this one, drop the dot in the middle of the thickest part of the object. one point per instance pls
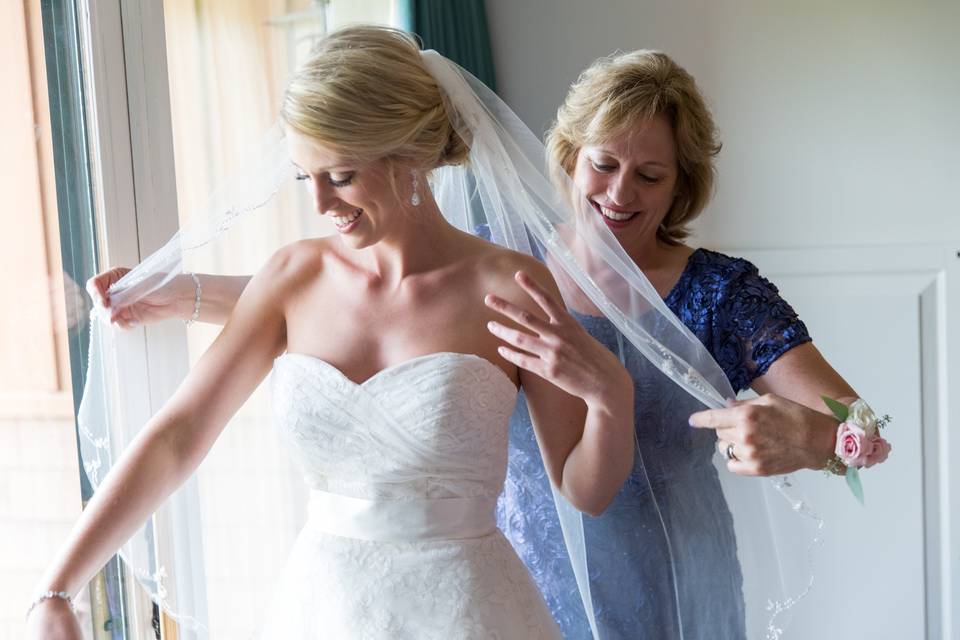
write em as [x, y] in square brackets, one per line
[507, 185]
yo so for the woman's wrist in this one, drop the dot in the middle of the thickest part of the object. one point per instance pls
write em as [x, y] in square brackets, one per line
[213, 300]
[193, 302]
[823, 455]
[613, 397]
[184, 296]
[51, 598]
[824, 442]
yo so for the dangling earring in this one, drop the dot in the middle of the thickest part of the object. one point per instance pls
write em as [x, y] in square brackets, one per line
[415, 198]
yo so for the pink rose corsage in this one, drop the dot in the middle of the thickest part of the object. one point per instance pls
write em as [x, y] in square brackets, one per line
[859, 443]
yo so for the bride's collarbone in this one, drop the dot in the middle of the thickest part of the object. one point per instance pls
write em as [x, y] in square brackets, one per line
[361, 329]
[360, 345]
[363, 360]
[385, 330]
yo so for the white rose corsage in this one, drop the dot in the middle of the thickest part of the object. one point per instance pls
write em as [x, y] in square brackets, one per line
[859, 443]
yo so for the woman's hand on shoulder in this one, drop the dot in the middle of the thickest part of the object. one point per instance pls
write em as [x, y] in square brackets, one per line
[543, 338]
[579, 395]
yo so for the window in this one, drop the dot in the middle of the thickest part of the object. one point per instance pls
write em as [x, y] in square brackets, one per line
[133, 155]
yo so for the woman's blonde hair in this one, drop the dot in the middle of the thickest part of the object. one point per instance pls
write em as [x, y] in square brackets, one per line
[623, 91]
[365, 94]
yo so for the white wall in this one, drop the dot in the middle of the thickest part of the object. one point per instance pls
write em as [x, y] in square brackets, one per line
[839, 120]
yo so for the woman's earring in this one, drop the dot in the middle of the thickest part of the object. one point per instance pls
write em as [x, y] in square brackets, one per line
[415, 198]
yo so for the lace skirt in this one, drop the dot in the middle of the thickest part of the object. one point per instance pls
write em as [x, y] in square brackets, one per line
[336, 587]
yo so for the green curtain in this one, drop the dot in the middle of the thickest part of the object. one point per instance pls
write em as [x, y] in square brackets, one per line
[455, 28]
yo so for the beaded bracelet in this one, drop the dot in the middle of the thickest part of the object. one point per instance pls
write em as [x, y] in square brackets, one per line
[196, 300]
[48, 595]
[835, 465]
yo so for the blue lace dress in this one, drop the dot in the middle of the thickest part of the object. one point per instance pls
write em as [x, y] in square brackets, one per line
[636, 590]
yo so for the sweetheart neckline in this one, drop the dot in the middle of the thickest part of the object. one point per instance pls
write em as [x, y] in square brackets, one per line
[403, 363]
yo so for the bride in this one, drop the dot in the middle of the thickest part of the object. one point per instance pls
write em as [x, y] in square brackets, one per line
[395, 398]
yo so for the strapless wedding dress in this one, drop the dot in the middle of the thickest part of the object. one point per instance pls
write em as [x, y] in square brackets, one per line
[404, 471]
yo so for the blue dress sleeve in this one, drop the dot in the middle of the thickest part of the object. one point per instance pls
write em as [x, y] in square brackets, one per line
[752, 324]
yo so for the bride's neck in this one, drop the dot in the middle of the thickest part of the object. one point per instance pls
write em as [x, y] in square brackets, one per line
[422, 242]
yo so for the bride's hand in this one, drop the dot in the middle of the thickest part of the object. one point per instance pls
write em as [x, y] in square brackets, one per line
[53, 619]
[558, 348]
[174, 300]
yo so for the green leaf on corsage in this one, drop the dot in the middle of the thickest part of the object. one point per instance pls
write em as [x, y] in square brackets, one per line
[840, 410]
[853, 481]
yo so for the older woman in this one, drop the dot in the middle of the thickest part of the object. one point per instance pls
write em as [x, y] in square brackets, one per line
[635, 135]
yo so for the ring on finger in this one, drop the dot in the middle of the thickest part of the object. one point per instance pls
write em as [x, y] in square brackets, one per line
[722, 447]
[728, 452]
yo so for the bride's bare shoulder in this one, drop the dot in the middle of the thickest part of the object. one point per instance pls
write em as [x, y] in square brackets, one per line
[295, 263]
[500, 266]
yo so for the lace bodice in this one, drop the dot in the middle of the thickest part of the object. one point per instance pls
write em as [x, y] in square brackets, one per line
[430, 427]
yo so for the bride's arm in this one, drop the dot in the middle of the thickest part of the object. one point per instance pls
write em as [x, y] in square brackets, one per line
[177, 299]
[579, 395]
[219, 295]
[173, 443]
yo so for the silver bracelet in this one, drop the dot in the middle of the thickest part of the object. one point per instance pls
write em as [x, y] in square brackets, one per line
[196, 300]
[63, 595]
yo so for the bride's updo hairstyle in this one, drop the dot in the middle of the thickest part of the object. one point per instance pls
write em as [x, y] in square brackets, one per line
[365, 94]
[624, 91]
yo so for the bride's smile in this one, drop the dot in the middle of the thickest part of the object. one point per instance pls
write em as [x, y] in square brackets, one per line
[345, 223]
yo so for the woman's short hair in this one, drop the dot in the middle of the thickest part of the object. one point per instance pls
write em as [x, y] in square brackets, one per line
[623, 91]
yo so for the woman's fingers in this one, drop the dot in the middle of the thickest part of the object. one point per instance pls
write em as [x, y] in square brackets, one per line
[539, 295]
[515, 337]
[739, 458]
[517, 314]
[125, 318]
[99, 285]
[744, 447]
[722, 447]
[97, 288]
[522, 360]
[731, 450]
[743, 468]
[555, 347]
[726, 418]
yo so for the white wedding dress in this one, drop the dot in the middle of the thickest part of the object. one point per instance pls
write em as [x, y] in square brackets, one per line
[404, 471]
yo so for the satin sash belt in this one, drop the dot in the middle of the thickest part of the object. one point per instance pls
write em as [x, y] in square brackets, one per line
[402, 520]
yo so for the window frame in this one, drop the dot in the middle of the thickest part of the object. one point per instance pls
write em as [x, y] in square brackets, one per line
[122, 122]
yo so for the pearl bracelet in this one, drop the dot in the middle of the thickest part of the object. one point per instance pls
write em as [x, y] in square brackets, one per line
[196, 300]
[48, 595]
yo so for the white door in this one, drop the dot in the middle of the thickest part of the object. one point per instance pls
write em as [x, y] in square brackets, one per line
[886, 318]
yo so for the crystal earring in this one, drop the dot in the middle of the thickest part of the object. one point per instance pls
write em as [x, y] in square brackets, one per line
[415, 198]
